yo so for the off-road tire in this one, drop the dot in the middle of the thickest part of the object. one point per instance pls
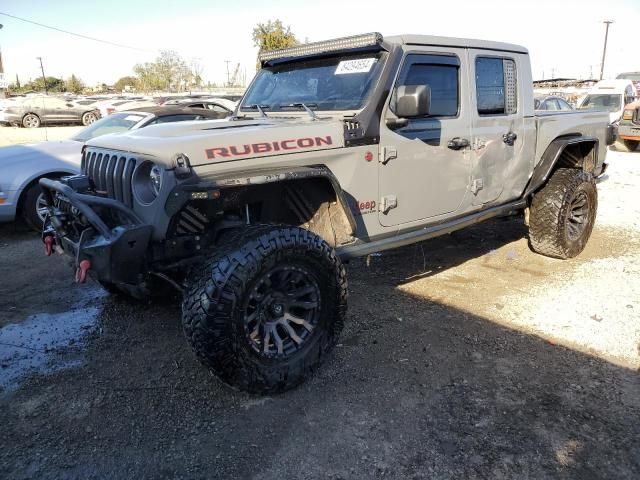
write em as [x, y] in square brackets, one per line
[88, 118]
[31, 120]
[29, 205]
[631, 145]
[551, 230]
[213, 310]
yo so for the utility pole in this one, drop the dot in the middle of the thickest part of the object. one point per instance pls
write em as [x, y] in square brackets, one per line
[228, 77]
[604, 50]
[44, 79]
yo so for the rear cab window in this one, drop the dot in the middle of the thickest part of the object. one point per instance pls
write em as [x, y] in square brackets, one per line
[496, 86]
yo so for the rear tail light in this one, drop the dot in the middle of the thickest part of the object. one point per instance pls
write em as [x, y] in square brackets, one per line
[110, 110]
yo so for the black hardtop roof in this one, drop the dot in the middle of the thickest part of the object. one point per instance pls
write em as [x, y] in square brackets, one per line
[166, 110]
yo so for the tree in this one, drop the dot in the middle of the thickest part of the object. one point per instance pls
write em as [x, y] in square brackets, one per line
[128, 81]
[168, 72]
[196, 72]
[74, 85]
[272, 36]
[53, 85]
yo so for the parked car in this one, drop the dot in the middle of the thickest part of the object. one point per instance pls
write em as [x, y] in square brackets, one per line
[340, 149]
[107, 107]
[32, 112]
[21, 166]
[551, 102]
[609, 95]
[221, 105]
[629, 126]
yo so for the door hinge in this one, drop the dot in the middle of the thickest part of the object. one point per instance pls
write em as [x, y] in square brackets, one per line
[388, 202]
[478, 144]
[476, 185]
[388, 153]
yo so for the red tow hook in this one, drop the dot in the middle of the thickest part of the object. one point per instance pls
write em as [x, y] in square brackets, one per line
[81, 272]
[48, 245]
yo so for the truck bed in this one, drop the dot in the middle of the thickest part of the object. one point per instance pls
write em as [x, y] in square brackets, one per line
[551, 125]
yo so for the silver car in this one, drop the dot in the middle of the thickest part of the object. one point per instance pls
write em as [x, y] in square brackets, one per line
[21, 166]
[33, 112]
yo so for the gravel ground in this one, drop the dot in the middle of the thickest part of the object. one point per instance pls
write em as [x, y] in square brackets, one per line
[466, 357]
[13, 135]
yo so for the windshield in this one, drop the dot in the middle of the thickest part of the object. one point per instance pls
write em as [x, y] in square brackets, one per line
[635, 77]
[114, 123]
[337, 83]
[610, 102]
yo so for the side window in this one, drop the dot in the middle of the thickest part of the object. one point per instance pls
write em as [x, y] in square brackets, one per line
[564, 105]
[496, 86]
[217, 108]
[552, 104]
[440, 73]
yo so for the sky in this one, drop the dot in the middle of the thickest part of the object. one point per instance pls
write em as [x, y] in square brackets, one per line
[564, 38]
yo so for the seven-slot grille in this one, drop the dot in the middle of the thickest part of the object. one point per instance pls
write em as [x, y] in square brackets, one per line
[110, 173]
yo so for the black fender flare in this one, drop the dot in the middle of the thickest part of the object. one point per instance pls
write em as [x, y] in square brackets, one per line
[182, 192]
[542, 171]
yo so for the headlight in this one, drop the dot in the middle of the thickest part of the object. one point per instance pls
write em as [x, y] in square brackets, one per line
[627, 115]
[147, 182]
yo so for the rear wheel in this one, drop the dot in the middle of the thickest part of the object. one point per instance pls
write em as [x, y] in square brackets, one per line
[563, 213]
[631, 145]
[88, 118]
[31, 120]
[263, 313]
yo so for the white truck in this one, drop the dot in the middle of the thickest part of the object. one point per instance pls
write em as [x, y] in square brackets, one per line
[337, 150]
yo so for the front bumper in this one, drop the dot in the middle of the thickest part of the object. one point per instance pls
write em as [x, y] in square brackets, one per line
[629, 132]
[8, 202]
[116, 254]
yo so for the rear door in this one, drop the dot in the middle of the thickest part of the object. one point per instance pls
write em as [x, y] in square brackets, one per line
[497, 123]
[421, 175]
[46, 108]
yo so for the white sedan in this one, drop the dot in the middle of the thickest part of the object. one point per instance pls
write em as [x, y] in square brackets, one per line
[21, 166]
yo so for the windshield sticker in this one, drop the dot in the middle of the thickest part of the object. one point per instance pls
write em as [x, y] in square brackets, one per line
[361, 65]
[133, 118]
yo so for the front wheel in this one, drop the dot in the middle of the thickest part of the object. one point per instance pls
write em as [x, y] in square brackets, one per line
[34, 207]
[263, 313]
[631, 145]
[563, 213]
[88, 118]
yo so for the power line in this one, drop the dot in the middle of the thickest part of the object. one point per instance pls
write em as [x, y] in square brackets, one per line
[86, 37]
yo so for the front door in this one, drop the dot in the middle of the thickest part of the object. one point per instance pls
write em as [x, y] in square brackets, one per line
[425, 165]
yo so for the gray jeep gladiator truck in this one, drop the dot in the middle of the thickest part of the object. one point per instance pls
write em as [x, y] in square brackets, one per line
[338, 149]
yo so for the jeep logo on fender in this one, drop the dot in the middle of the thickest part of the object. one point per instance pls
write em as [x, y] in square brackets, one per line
[266, 147]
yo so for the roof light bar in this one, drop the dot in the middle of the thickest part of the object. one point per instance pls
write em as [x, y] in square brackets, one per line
[345, 43]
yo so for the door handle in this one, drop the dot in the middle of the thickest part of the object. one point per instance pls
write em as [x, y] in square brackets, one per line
[458, 143]
[509, 138]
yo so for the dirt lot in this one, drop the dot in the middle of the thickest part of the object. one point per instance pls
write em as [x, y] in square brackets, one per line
[13, 135]
[464, 357]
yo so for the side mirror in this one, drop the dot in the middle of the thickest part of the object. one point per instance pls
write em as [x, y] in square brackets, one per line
[413, 101]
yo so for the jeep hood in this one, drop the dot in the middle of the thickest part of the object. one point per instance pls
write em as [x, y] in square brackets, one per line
[215, 141]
